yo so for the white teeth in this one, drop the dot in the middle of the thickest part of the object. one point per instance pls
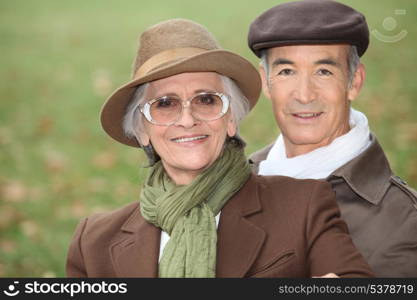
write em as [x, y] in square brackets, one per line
[309, 115]
[194, 138]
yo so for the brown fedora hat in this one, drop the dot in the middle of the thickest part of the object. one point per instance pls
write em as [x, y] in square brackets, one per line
[173, 47]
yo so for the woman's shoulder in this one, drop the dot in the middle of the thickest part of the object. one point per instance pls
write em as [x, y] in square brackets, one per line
[119, 214]
[290, 185]
[282, 191]
[108, 223]
[278, 192]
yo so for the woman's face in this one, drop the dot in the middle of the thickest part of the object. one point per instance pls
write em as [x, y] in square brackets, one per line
[189, 145]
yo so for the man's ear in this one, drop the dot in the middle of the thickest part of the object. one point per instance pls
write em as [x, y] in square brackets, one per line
[357, 82]
[265, 85]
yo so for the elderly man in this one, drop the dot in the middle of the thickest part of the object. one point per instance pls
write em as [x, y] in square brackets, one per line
[311, 72]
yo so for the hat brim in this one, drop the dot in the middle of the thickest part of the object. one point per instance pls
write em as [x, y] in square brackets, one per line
[221, 61]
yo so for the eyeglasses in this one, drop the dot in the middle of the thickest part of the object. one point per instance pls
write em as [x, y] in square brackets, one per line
[167, 110]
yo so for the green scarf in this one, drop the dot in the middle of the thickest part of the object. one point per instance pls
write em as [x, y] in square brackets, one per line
[187, 212]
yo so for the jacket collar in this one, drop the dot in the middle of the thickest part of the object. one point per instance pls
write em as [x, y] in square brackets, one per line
[368, 174]
[260, 155]
[239, 240]
[135, 252]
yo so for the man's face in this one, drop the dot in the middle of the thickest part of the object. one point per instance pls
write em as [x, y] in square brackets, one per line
[309, 89]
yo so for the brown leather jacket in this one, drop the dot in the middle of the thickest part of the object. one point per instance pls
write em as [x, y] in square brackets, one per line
[273, 227]
[379, 209]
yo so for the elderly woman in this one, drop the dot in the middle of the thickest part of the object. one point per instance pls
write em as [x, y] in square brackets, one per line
[201, 212]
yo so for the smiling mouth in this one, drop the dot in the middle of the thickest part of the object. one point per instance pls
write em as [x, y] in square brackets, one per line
[307, 115]
[189, 139]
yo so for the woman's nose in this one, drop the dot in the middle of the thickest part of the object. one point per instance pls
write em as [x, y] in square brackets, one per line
[186, 118]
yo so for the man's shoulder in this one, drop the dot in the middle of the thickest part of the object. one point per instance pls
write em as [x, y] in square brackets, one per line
[403, 189]
[261, 154]
[370, 176]
[258, 156]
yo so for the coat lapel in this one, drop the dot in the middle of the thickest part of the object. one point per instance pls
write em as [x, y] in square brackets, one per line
[239, 240]
[136, 252]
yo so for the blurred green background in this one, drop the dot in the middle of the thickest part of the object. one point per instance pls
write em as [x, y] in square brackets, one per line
[61, 59]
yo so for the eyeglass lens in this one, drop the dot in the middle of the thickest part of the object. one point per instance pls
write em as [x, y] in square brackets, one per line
[204, 107]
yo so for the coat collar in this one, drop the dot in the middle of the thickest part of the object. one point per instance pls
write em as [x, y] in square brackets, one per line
[368, 174]
[135, 252]
[260, 155]
[239, 240]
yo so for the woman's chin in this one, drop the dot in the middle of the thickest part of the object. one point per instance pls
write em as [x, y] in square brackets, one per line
[183, 173]
[195, 166]
[189, 165]
[195, 162]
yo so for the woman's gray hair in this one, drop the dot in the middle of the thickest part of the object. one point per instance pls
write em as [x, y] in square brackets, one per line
[133, 120]
[353, 63]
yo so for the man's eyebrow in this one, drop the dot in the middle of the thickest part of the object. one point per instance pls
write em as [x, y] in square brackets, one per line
[327, 61]
[282, 61]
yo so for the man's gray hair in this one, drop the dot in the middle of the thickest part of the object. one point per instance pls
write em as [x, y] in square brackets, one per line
[353, 62]
[264, 62]
[133, 120]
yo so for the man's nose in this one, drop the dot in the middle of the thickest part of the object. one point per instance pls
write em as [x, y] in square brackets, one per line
[305, 90]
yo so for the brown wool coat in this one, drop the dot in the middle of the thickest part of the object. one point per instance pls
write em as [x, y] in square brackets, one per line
[273, 227]
[379, 208]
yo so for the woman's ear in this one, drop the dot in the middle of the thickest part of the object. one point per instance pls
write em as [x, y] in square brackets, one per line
[231, 128]
[143, 139]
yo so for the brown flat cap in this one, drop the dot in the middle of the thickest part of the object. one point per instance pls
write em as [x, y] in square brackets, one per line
[172, 47]
[309, 22]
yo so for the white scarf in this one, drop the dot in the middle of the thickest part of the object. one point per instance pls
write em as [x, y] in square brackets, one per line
[323, 161]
